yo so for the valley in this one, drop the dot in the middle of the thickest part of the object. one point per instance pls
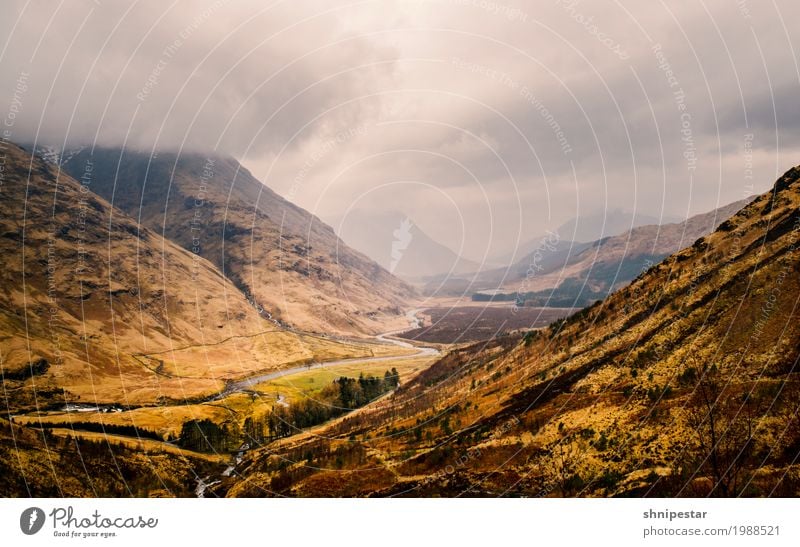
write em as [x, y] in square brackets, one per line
[151, 428]
[672, 386]
[115, 338]
[266, 265]
[151, 369]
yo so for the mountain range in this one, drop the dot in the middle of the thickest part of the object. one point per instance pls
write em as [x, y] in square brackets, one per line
[105, 312]
[587, 228]
[560, 272]
[100, 308]
[127, 320]
[85, 288]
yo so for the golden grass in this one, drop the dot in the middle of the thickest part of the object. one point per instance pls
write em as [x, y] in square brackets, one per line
[195, 372]
[240, 356]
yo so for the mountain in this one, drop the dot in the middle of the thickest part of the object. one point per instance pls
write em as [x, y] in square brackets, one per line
[101, 316]
[683, 383]
[601, 224]
[286, 261]
[577, 274]
[398, 244]
[85, 290]
[570, 274]
[97, 309]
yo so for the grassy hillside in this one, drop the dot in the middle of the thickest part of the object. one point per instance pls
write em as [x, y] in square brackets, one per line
[683, 383]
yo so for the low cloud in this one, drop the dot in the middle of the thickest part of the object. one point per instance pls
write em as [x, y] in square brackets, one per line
[512, 118]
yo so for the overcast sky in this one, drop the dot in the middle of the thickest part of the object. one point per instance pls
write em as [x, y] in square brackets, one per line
[487, 122]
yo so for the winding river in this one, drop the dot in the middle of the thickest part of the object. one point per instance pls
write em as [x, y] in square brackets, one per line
[422, 351]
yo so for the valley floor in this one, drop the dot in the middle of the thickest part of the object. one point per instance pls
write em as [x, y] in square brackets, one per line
[150, 429]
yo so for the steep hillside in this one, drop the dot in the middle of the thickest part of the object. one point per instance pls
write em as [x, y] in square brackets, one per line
[284, 259]
[683, 383]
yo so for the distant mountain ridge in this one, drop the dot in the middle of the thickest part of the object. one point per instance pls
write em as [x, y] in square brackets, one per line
[587, 272]
[589, 228]
[564, 273]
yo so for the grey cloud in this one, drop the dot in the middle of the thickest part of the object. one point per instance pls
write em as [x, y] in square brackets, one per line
[579, 85]
[180, 77]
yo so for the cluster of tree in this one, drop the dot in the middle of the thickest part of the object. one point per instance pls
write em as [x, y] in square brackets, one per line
[341, 396]
[344, 395]
[283, 421]
[254, 430]
[206, 436]
[356, 393]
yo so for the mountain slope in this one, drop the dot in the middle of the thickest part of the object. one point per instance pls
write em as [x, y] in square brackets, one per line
[284, 259]
[604, 224]
[97, 309]
[84, 288]
[683, 383]
[588, 272]
[585, 229]
[395, 242]
[35, 464]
